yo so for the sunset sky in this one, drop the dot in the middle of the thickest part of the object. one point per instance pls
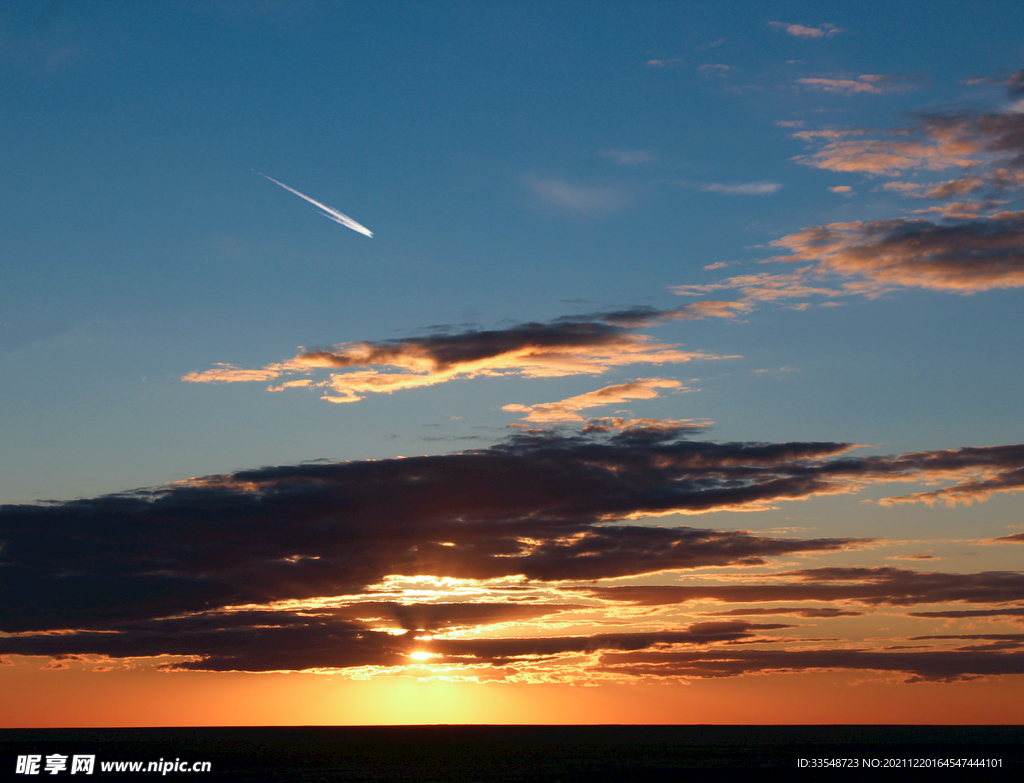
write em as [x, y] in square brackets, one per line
[679, 381]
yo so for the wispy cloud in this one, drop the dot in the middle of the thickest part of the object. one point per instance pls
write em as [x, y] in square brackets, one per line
[328, 212]
[580, 199]
[568, 409]
[890, 157]
[979, 247]
[573, 345]
[712, 45]
[629, 157]
[874, 586]
[868, 258]
[665, 63]
[919, 665]
[976, 255]
[803, 31]
[716, 69]
[874, 84]
[811, 135]
[940, 190]
[739, 189]
[987, 142]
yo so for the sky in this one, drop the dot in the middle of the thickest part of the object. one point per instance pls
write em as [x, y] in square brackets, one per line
[655, 363]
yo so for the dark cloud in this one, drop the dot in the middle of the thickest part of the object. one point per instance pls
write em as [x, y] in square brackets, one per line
[148, 572]
[867, 586]
[1015, 84]
[1001, 133]
[960, 614]
[273, 641]
[973, 140]
[434, 617]
[502, 651]
[571, 345]
[1016, 538]
[1002, 640]
[919, 666]
[970, 256]
[791, 611]
[542, 505]
[242, 641]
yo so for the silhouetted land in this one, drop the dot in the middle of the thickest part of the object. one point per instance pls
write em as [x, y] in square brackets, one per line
[571, 754]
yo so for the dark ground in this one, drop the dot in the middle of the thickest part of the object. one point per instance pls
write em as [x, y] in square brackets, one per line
[570, 754]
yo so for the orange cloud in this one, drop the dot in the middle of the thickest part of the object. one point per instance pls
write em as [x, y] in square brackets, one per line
[762, 287]
[568, 409]
[567, 346]
[229, 373]
[875, 84]
[938, 141]
[882, 157]
[977, 255]
[960, 210]
[803, 31]
[827, 134]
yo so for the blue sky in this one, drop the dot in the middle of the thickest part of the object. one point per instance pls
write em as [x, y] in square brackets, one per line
[517, 163]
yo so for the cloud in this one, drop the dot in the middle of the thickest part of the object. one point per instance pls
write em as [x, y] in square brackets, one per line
[290, 641]
[794, 611]
[1016, 538]
[827, 134]
[874, 84]
[961, 614]
[542, 505]
[979, 141]
[919, 666]
[629, 157]
[742, 189]
[869, 258]
[1015, 84]
[960, 210]
[941, 190]
[996, 469]
[579, 199]
[976, 255]
[878, 586]
[664, 63]
[568, 409]
[280, 640]
[883, 157]
[762, 287]
[715, 69]
[802, 31]
[572, 345]
[288, 567]
[504, 650]
[979, 247]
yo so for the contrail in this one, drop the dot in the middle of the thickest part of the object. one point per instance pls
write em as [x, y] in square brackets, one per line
[329, 212]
